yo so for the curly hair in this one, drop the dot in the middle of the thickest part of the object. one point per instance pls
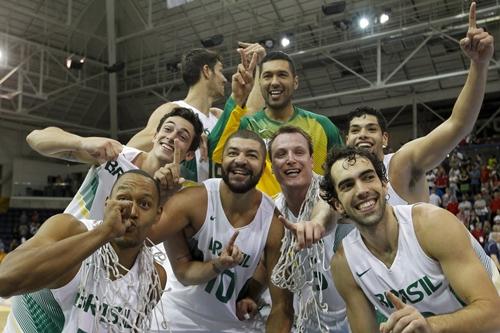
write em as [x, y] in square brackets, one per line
[350, 154]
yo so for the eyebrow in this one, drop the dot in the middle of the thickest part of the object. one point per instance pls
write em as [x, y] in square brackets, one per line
[183, 129]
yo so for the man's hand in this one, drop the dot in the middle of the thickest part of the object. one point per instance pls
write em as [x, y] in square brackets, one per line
[102, 149]
[406, 319]
[478, 44]
[242, 81]
[306, 232]
[169, 175]
[230, 256]
[117, 217]
[249, 49]
[246, 308]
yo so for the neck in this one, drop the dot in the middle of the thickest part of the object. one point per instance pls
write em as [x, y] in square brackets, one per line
[127, 256]
[199, 98]
[282, 115]
[294, 198]
[236, 202]
[382, 238]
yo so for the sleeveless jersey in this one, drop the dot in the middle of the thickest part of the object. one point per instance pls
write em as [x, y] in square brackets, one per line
[336, 316]
[323, 132]
[64, 309]
[394, 198]
[88, 202]
[210, 307]
[194, 169]
[413, 276]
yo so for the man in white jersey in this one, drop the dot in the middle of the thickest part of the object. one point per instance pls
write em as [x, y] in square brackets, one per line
[202, 295]
[60, 275]
[177, 137]
[408, 250]
[202, 74]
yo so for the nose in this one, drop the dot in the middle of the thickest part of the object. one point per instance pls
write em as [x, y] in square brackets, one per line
[274, 80]
[171, 136]
[362, 190]
[134, 210]
[290, 158]
[240, 159]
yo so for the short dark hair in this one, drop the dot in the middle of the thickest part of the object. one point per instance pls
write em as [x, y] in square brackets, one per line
[193, 61]
[142, 173]
[288, 129]
[278, 55]
[328, 191]
[190, 116]
[247, 134]
[366, 110]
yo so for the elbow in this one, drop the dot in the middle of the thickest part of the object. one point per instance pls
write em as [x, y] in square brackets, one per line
[31, 138]
[7, 286]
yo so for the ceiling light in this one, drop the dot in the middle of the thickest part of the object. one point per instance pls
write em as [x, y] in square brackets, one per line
[285, 41]
[363, 22]
[75, 62]
[335, 7]
[384, 17]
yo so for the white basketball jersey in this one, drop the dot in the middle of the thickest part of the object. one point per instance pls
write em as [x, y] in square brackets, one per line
[394, 198]
[202, 168]
[210, 307]
[88, 202]
[417, 279]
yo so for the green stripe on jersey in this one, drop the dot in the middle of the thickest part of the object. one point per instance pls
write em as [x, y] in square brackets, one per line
[38, 312]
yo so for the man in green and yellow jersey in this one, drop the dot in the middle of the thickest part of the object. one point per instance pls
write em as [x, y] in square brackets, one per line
[278, 81]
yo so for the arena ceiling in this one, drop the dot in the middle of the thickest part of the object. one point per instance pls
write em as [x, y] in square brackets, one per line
[414, 58]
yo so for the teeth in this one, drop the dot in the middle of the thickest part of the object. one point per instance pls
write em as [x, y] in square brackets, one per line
[364, 145]
[292, 171]
[275, 92]
[367, 204]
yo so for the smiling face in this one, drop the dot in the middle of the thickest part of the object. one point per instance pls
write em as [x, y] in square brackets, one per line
[143, 193]
[242, 164]
[292, 161]
[277, 84]
[174, 127]
[365, 132]
[361, 194]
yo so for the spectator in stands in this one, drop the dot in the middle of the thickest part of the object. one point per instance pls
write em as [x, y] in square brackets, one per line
[485, 175]
[23, 219]
[452, 205]
[431, 177]
[434, 198]
[464, 180]
[475, 179]
[33, 227]
[445, 199]
[453, 176]
[496, 218]
[477, 228]
[441, 181]
[480, 207]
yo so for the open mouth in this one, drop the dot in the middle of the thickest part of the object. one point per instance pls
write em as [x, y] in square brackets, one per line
[166, 146]
[292, 172]
[365, 145]
[275, 93]
[366, 205]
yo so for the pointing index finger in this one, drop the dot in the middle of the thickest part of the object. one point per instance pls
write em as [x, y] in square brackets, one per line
[395, 300]
[177, 152]
[253, 63]
[232, 240]
[472, 16]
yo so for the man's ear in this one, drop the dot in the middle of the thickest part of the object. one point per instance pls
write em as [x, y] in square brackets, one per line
[338, 206]
[189, 155]
[385, 139]
[296, 82]
[206, 71]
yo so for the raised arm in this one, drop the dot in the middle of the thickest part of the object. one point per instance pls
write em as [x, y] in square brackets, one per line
[281, 317]
[360, 311]
[429, 151]
[143, 140]
[55, 142]
[52, 257]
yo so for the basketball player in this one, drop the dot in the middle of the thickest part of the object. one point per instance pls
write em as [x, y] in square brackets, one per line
[176, 139]
[203, 294]
[408, 251]
[87, 275]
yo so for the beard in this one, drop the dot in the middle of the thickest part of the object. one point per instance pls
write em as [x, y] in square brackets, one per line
[241, 187]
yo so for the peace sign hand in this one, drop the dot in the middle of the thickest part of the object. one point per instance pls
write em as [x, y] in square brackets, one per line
[242, 80]
[169, 175]
[478, 44]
